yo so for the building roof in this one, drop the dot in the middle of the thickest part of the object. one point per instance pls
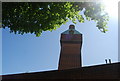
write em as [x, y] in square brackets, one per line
[105, 71]
[71, 30]
[67, 31]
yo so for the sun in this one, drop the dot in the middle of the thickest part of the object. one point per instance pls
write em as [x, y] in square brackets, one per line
[111, 7]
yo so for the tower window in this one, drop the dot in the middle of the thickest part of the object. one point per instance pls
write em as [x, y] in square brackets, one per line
[71, 32]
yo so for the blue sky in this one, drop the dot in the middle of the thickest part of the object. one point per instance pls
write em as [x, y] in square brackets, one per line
[27, 53]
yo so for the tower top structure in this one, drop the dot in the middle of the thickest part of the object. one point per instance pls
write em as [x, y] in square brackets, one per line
[71, 30]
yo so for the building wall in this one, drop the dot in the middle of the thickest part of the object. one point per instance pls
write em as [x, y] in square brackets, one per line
[70, 55]
[107, 71]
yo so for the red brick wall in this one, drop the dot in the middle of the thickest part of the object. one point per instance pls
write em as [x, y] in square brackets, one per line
[70, 55]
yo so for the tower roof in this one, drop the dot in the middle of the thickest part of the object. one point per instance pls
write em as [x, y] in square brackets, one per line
[71, 30]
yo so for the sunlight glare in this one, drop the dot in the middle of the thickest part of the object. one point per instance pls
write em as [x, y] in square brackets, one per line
[111, 7]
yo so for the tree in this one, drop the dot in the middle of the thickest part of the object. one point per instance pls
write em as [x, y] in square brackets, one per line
[35, 17]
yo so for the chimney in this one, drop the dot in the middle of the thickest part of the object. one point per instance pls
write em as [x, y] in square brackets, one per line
[70, 54]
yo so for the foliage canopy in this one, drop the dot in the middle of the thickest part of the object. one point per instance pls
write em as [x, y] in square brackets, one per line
[35, 17]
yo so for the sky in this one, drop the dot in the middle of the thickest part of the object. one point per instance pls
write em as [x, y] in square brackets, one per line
[28, 53]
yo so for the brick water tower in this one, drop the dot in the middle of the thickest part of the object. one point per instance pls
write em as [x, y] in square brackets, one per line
[70, 54]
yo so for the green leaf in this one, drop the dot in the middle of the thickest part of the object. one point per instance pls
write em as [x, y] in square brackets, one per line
[35, 17]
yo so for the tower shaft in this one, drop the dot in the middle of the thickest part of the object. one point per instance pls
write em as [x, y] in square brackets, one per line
[70, 54]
